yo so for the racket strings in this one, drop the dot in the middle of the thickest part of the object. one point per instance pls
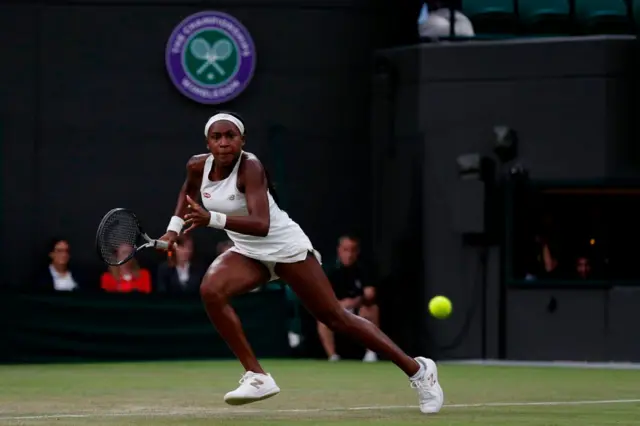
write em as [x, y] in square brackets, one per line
[118, 237]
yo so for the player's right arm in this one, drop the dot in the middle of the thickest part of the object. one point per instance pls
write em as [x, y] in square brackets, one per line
[190, 187]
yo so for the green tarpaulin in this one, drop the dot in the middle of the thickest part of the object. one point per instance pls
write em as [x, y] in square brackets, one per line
[67, 327]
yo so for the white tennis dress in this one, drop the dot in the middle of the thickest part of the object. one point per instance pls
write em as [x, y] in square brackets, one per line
[285, 243]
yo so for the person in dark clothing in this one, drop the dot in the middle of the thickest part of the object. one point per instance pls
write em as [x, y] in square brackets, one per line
[58, 275]
[179, 274]
[354, 289]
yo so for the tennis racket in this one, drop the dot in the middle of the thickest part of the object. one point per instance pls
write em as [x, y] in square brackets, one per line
[118, 236]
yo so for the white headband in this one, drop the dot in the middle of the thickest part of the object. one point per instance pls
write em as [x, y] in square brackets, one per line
[226, 117]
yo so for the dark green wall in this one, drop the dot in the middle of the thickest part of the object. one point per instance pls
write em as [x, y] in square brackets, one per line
[70, 327]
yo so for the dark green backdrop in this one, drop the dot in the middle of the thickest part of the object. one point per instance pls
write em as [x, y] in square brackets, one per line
[69, 327]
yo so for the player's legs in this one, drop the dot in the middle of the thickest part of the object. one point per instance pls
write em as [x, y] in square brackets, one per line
[311, 285]
[229, 275]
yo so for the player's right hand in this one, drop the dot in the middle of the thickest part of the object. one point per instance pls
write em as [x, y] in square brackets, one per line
[171, 237]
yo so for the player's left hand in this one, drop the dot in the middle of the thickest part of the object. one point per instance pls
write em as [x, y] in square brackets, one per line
[196, 217]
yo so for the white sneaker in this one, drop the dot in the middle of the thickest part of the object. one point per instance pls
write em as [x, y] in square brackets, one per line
[334, 358]
[253, 387]
[370, 356]
[430, 392]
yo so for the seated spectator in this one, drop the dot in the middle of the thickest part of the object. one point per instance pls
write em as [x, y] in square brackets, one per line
[545, 265]
[128, 277]
[354, 290]
[58, 276]
[551, 265]
[179, 274]
[583, 268]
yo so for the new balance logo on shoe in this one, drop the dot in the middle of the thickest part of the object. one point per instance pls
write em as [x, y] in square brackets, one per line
[256, 383]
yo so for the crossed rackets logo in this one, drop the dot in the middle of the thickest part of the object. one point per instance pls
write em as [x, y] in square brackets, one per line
[211, 58]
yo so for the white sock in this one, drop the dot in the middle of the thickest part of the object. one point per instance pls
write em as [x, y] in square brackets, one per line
[420, 372]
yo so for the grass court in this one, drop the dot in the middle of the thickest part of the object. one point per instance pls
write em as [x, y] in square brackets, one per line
[313, 393]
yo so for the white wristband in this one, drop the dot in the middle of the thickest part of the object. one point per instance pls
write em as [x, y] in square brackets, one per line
[175, 224]
[218, 220]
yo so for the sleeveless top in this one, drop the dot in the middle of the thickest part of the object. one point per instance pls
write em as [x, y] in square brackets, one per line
[285, 240]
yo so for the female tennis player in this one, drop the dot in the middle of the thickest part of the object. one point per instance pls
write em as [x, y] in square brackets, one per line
[239, 198]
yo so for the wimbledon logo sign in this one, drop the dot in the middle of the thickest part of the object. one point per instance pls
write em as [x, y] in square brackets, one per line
[210, 57]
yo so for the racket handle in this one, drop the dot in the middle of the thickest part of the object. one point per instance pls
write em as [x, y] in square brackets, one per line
[163, 245]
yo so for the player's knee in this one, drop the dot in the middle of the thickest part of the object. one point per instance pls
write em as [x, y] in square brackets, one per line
[212, 291]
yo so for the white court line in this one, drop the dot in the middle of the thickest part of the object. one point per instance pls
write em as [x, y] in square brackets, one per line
[186, 412]
[545, 364]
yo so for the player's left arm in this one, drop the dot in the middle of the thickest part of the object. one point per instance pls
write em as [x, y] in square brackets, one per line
[254, 180]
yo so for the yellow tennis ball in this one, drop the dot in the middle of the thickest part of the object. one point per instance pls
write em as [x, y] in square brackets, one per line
[440, 307]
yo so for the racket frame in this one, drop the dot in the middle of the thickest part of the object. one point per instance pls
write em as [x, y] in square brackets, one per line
[159, 244]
